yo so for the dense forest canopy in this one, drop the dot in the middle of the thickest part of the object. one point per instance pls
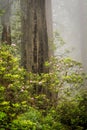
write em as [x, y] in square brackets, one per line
[38, 91]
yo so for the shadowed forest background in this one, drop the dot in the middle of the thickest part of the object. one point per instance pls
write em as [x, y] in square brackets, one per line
[41, 86]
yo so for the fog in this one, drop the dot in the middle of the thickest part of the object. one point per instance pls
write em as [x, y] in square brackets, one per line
[70, 19]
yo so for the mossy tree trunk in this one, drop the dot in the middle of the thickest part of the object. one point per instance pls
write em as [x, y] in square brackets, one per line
[34, 36]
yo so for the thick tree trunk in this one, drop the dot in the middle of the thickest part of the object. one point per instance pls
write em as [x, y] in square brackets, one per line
[34, 38]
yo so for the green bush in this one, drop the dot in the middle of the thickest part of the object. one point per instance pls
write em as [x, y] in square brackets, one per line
[73, 113]
[53, 105]
[27, 121]
[12, 78]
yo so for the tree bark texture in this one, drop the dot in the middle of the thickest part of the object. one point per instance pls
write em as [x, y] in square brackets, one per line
[34, 36]
[49, 21]
[5, 22]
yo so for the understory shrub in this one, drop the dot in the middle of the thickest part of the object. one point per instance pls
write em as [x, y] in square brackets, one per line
[73, 113]
[11, 84]
[51, 101]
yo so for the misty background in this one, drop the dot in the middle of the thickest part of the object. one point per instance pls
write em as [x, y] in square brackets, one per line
[70, 20]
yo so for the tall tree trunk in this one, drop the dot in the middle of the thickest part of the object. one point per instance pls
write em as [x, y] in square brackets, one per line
[6, 34]
[5, 21]
[48, 6]
[34, 36]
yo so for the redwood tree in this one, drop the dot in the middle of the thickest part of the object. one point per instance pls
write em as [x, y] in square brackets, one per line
[34, 40]
[5, 21]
